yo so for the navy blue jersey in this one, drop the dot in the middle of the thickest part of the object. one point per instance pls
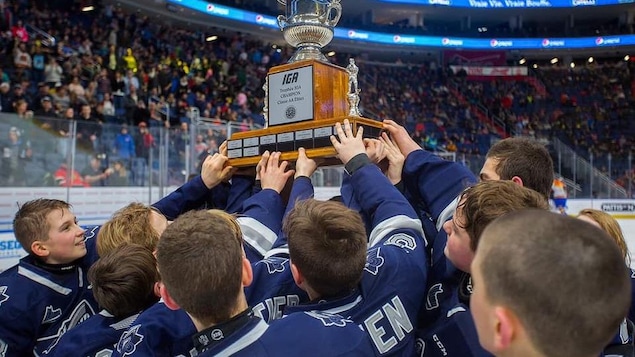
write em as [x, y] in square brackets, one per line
[162, 332]
[38, 306]
[310, 333]
[434, 183]
[95, 337]
[453, 335]
[159, 331]
[392, 289]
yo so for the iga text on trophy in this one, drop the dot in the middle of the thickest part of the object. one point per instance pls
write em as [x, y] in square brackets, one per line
[307, 96]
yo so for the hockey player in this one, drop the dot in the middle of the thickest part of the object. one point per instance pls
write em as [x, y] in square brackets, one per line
[369, 280]
[453, 334]
[564, 292]
[160, 331]
[48, 293]
[206, 247]
[623, 342]
[123, 284]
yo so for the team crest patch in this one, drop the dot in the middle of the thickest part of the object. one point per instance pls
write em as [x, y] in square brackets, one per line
[275, 265]
[402, 240]
[373, 261]
[3, 294]
[328, 319]
[51, 314]
[129, 341]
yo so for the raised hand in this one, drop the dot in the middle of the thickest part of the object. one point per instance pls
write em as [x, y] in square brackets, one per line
[273, 173]
[348, 145]
[304, 166]
[401, 137]
[215, 170]
[395, 159]
[375, 150]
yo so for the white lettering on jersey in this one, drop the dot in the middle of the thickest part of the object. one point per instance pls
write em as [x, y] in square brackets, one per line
[272, 308]
[104, 353]
[432, 300]
[129, 341]
[3, 294]
[328, 319]
[402, 240]
[373, 261]
[399, 322]
[439, 344]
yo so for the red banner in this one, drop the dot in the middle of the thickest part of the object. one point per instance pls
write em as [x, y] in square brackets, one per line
[475, 58]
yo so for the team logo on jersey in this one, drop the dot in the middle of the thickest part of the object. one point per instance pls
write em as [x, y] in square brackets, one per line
[91, 233]
[129, 341]
[3, 294]
[432, 300]
[373, 261]
[80, 313]
[328, 319]
[274, 265]
[51, 314]
[402, 240]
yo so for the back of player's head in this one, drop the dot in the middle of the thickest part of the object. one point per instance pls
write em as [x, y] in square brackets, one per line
[525, 158]
[569, 289]
[30, 222]
[610, 225]
[130, 224]
[200, 259]
[488, 200]
[327, 243]
[123, 280]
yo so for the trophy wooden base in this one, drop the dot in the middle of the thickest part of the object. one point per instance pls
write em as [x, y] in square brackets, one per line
[245, 148]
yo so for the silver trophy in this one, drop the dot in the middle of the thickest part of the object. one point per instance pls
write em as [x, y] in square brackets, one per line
[308, 26]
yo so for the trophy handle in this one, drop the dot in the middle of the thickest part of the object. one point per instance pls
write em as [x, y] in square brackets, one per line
[282, 21]
[332, 6]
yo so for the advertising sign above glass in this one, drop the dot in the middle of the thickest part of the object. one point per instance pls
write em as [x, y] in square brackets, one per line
[508, 4]
[431, 41]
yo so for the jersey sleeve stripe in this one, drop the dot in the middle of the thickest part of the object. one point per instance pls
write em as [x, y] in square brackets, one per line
[259, 236]
[393, 223]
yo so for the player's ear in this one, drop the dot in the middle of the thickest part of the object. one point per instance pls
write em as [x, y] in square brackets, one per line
[167, 298]
[40, 249]
[248, 274]
[506, 327]
[297, 276]
[517, 180]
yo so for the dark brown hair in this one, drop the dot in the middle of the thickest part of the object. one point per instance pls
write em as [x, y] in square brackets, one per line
[327, 243]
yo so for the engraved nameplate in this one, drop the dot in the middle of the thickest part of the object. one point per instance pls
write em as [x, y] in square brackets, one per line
[290, 96]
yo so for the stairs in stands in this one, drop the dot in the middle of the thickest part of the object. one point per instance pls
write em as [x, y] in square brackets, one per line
[538, 85]
[479, 113]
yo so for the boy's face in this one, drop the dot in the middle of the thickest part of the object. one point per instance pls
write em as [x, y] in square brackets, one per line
[457, 249]
[481, 308]
[65, 241]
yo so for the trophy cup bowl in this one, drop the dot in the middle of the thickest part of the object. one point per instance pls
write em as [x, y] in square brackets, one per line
[308, 26]
[306, 97]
